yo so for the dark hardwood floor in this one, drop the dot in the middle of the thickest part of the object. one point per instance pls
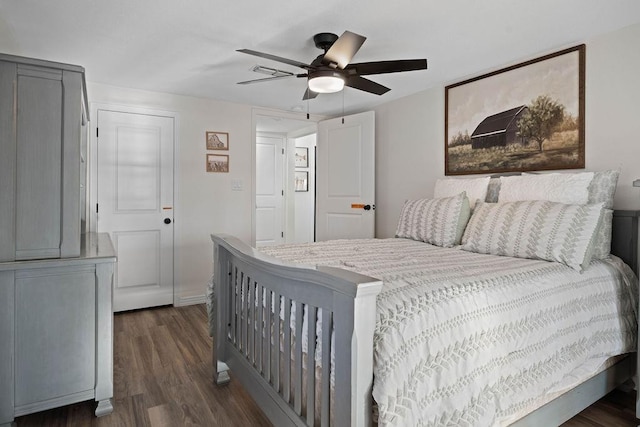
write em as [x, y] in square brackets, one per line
[163, 377]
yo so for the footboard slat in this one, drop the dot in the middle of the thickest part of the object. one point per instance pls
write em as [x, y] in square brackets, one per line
[246, 330]
[234, 306]
[276, 339]
[326, 367]
[311, 364]
[252, 319]
[259, 334]
[286, 392]
[297, 374]
[267, 338]
[259, 326]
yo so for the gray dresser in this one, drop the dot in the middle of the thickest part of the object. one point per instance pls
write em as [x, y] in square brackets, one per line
[56, 331]
[56, 314]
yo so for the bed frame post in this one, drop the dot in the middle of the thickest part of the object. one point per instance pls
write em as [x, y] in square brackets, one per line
[354, 369]
[625, 245]
[221, 317]
[364, 307]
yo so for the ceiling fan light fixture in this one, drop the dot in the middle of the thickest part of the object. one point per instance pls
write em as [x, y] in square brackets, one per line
[324, 81]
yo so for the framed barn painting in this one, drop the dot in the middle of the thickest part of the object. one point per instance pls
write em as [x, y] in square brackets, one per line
[217, 140]
[526, 117]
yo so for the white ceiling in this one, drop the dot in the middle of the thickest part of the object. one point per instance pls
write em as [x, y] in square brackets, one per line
[189, 47]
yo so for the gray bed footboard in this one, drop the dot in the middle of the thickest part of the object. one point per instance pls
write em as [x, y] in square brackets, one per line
[257, 298]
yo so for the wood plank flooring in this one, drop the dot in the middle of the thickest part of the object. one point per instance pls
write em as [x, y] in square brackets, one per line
[163, 377]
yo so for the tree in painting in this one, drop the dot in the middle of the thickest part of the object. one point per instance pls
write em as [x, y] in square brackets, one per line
[540, 121]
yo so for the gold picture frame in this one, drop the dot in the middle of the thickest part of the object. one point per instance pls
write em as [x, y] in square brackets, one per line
[217, 140]
[217, 163]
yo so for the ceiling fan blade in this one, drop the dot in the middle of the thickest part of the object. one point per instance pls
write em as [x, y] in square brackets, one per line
[343, 50]
[366, 85]
[273, 72]
[268, 79]
[276, 58]
[383, 67]
[309, 94]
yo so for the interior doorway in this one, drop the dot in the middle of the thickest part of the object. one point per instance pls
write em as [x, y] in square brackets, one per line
[284, 203]
[134, 176]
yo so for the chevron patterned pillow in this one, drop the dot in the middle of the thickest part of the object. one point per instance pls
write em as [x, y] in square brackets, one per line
[439, 222]
[535, 229]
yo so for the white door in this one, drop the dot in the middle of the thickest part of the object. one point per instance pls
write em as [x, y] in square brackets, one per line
[345, 178]
[135, 205]
[269, 190]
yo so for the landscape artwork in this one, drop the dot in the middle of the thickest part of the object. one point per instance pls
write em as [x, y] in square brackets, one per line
[217, 140]
[217, 163]
[525, 117]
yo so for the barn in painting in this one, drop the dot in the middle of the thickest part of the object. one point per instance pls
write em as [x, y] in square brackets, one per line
[499, 130]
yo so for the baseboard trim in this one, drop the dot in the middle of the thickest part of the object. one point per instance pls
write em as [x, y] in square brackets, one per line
[197, 299]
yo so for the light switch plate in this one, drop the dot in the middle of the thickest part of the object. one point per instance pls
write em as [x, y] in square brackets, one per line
[236, 185]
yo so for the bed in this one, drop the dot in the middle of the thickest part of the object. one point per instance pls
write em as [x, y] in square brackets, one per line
[425, 329]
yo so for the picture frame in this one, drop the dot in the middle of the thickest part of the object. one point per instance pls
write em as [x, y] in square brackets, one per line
[302, 157]
[525, 117]
[217, 163]
[301, 181]
[217, 140]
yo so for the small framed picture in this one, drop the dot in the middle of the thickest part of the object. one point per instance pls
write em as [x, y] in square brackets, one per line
[302, 181]
[217, 163]
[217, 140]
[302, 157]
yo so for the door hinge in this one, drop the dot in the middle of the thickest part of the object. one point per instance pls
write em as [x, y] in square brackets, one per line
[282, 234]
[96, 208]
[283, 151]
[283, 192]
[97, 132]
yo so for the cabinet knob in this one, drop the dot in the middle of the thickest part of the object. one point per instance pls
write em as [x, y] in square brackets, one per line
[167, 220]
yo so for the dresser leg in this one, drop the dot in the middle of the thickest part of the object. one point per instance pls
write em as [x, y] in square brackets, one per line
[104, 408]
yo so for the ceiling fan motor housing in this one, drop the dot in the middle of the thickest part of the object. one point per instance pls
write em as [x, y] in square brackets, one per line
[324, 41]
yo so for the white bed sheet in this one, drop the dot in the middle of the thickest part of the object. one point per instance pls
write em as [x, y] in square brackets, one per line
[469, 339]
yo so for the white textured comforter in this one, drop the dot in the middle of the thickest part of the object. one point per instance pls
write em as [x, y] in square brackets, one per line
[464, 339]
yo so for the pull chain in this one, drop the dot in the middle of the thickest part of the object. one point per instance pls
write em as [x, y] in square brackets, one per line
[342, 106]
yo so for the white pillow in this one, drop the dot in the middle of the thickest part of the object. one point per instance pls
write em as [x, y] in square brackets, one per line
[439, 222]
[571, 189]
[476, 188]
[535, 229]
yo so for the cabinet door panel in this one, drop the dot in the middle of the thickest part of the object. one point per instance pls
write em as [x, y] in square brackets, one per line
[7, 162]
[55, 333]
[39, 165]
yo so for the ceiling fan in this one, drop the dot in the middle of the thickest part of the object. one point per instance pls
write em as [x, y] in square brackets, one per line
[331, 70]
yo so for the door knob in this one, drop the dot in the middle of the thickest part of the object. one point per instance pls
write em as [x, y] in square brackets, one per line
[367, 207]
[167, 220]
